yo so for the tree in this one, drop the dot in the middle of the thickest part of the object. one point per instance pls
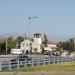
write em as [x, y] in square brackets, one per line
[2, 48]
[45, 40]
[11, 42]
[72, 45]
[67, 45]
[42, 49]
[18, 40]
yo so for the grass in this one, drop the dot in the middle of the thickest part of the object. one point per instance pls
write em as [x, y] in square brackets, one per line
[51, 67]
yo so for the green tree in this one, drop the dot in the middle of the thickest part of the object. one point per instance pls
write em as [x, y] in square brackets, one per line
[42, 49]
[45, 40]
[2, 48]
[67, 45]
[18, 40]
[11, 43]
[72, 45]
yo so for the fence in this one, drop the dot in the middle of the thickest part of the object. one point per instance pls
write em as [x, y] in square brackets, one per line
[35, 61]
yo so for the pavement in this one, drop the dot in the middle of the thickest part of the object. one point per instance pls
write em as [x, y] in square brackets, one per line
[38, 73]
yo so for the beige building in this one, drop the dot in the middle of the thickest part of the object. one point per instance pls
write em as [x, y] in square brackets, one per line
[34, 46]
[50, 47]
[26, 45]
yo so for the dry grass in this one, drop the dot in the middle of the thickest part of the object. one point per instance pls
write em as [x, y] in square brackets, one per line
[52, 69]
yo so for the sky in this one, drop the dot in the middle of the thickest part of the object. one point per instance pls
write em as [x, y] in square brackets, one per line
[56, 18]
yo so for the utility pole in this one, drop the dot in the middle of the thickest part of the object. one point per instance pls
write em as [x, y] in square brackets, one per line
[0, 48]
[29, 19]
[29, 23]
[6, 44]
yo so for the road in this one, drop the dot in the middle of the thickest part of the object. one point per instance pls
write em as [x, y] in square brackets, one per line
[37, 73]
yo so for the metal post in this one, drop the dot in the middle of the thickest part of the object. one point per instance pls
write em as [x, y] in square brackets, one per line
[38, 62]
[0, 66]
[49, 60]
[18, 64]
[9, 65]
[32, 62]
[25, 65]
[44, 61]
[62, 60]
[54, 60]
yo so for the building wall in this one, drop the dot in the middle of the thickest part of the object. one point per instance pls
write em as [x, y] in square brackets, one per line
[26, 45]
[16, 51]
[37, 40]
[36, 46]
[50, 47]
